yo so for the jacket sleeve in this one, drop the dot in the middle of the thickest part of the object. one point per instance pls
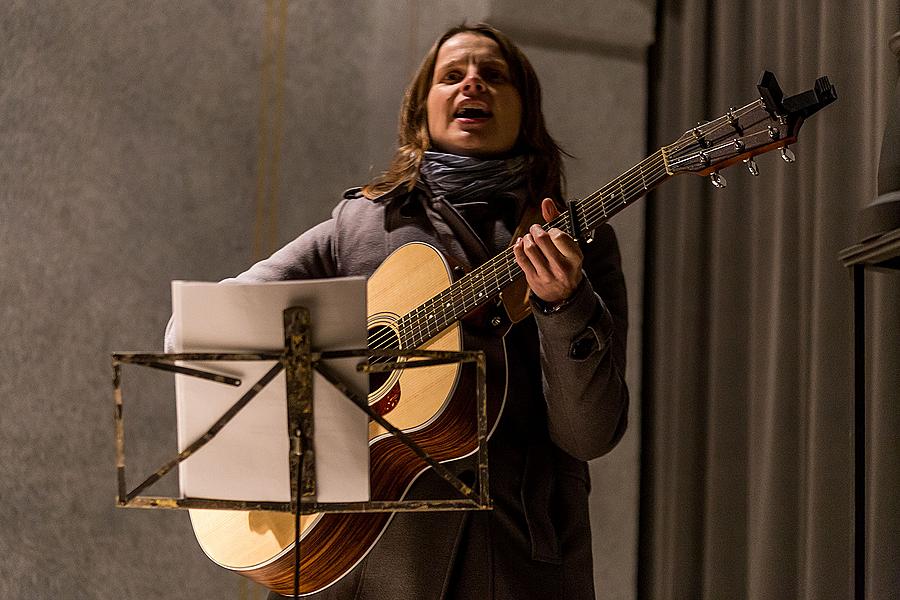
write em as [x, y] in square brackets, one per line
[583, 356]
[310, 256]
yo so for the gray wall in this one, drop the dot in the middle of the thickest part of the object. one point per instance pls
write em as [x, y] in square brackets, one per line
[139, 144]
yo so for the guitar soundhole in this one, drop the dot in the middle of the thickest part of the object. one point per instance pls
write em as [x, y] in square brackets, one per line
[381, 336]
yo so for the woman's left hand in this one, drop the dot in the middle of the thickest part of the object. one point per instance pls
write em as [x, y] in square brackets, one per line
[551, 260]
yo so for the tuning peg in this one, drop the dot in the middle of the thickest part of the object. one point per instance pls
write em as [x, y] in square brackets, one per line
[787, 155]
[752, 166]
[717, 180]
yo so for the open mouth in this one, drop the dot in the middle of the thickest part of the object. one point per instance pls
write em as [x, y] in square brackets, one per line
[472, 112]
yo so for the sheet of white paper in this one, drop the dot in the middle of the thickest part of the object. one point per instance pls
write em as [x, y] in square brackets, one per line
[248, 458]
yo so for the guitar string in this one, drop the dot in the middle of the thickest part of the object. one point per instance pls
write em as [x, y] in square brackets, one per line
[493, 270]
[425, 332]
[491, 267]
[655, 168]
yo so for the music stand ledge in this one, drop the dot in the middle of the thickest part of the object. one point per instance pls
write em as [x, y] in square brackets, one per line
[298, 361]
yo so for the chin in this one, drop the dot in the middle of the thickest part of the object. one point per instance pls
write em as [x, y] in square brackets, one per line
[483, 152]
[474, 149]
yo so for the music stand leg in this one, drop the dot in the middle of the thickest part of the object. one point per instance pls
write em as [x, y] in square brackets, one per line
[298, 372]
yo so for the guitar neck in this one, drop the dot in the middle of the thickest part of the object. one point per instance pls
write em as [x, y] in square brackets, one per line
[608, 201]
[485, 283]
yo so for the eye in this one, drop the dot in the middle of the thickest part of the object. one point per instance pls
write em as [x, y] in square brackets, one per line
[493, 75]
[452, 76]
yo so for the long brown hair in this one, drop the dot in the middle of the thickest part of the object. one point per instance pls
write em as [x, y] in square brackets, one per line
[543, 155]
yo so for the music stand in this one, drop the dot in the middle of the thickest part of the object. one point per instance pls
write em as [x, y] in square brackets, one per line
[298, 362]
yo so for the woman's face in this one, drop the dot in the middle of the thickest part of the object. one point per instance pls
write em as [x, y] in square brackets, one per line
[473, 107]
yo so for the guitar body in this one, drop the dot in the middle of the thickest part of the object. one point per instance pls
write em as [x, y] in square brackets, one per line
[434, 405]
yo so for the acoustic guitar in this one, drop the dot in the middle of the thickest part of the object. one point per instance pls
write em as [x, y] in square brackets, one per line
[414, 302]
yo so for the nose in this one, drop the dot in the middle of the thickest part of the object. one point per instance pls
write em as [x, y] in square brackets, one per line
[473, 83]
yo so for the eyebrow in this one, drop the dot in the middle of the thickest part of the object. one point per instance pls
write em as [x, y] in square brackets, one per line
[489, 61]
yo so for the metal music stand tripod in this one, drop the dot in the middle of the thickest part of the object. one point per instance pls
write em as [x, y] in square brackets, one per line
[298, 361]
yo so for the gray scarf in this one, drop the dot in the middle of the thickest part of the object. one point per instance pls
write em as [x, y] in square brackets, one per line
[464, 179]
[484, 192]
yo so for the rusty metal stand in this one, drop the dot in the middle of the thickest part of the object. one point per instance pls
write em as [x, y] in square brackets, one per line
[298, 361]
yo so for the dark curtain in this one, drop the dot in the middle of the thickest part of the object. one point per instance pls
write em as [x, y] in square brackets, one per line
[747, 460]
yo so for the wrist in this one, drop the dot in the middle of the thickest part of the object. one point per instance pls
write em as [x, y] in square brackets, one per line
[549, 308]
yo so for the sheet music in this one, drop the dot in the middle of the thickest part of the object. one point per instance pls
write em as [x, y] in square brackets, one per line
[248, 458]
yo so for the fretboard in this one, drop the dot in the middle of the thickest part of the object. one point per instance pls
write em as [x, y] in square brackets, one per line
[485, 283]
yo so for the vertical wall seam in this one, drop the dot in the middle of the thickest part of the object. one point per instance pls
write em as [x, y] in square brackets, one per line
[270, 130]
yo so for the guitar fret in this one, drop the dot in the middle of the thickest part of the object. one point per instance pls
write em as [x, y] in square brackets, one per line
[584, 226]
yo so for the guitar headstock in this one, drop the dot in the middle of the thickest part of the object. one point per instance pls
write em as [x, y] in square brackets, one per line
[770, 122]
